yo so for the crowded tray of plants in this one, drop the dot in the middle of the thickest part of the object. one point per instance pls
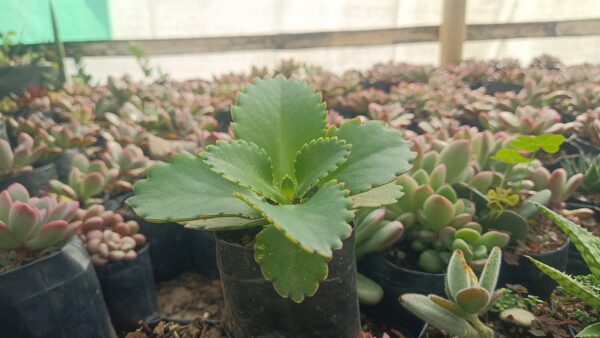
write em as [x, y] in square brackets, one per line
[400, 201]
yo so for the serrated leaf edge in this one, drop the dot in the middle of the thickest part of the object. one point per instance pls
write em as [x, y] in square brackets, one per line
[322, 139]
[295, 241]
[233, 180]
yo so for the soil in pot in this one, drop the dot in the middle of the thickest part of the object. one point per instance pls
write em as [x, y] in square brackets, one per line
[544, 242]
[35, 181]
[197, 328]
[572, 310]
[255, 309]
[190, 296]
[129, 291]
[55, 296]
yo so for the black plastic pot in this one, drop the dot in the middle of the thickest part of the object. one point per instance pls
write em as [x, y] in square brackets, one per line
[56, 296]
[16, 79]
[254, 309]
[64, 163]
[576, 265]
[396, 281]
[169, 248]
[493, 87]
[36, 181]
[3, 131]
[129, 291]
[528, 275]
[581, 201]
[169, 243]
[202, 252]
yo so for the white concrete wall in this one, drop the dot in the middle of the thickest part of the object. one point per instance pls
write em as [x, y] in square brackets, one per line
[146, 19]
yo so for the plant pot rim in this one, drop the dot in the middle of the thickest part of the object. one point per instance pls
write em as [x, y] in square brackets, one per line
[72, 241]
[43, 166]
[549, 252]
[388, 263]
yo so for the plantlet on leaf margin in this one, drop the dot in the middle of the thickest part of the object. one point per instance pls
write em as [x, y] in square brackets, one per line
[468, 298]
[286, 173]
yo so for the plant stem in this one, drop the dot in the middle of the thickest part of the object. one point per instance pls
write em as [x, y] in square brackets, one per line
[481, 328]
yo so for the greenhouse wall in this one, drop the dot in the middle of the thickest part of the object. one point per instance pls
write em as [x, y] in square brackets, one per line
[154, 19]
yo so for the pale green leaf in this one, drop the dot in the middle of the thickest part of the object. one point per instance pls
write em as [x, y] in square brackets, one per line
[316, 159]
[592, 331]
[570, 284]
[378, 155]
[185, 190]
[510, 156]
[279, 116]
[242, 163]
[382, 195]
[294, 272]
[491, 270]
[437, 316]
[319, 224]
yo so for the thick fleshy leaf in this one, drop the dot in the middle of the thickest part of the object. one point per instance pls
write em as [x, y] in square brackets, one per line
[378, 155]
[279, 116]
[369, 292]
[592, 331]
[18, 192]
[224, 223]
[243, 163]
[6, 156]
[437, 316]
[92, 185]
[316, 159]
[185, 190]
[294, 272]
[473, 300]
[570, 284]
[5, 203]
[382, 195]
[22, 220]
[7, 241]
[491, 271]
[320, 224]
[50, 234]
[458, 275]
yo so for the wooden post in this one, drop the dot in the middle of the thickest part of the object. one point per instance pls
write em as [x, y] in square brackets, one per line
[452, 31]
[59, 47]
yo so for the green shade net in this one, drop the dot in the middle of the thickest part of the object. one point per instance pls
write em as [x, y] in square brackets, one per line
[78, 20]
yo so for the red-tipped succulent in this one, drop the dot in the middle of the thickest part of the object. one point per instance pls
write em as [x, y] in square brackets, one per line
[33, 223]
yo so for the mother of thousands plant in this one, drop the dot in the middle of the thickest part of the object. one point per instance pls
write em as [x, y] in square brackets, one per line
[286, 173]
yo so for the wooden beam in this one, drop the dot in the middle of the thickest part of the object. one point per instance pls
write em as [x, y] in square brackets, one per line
[452, 31]
[334, 39]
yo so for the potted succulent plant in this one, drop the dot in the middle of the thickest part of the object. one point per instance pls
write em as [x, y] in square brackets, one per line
[584, 288]
[18, 165]
[20, 67]
[122, 260]
[281, 197]
[469, 298]
[436, 223]
[62, 297]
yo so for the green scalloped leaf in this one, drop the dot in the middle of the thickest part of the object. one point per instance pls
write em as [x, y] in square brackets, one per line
[316, 159]
[243, 163]
[224, 223]
[186, 189]
[569, 284]
[382, 195]
[319, 225]
[294, 272]
[585, 242]
[279, 116]
[378, 155]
